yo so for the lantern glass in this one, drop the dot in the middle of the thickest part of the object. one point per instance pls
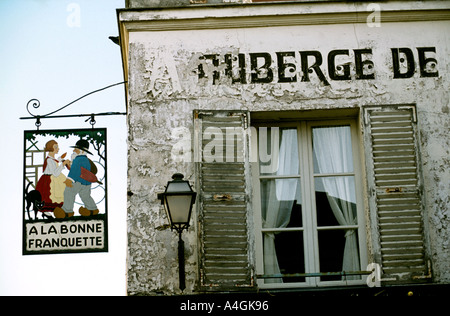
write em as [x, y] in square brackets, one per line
[179, 208]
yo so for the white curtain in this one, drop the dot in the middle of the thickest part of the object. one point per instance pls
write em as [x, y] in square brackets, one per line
[279, 196]
[333, 152]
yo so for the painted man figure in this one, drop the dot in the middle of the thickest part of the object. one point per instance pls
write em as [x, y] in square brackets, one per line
[76, 184]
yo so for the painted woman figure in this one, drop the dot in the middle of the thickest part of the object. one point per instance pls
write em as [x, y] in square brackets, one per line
[51, 183]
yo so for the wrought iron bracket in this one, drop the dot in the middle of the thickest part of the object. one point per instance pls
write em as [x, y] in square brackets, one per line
[35, 103]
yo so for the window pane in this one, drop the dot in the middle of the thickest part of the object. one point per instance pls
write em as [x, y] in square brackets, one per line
[338, 251]
[332, 147]
[284, 254]
[281, 203]
[325, 231]
[335, 201]
[278, 151]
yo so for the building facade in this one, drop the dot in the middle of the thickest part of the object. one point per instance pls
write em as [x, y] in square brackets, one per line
[315, 133]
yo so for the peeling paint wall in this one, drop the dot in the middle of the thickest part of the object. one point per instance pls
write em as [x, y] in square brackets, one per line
[165, 87]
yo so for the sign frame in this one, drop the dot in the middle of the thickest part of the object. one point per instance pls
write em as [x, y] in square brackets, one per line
[80, 228]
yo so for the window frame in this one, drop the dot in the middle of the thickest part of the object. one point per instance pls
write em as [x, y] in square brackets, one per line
[307, 186]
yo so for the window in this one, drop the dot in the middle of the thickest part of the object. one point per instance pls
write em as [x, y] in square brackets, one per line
[309, 219]
[282, 203]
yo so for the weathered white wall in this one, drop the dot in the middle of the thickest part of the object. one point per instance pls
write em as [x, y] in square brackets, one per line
[164, 89]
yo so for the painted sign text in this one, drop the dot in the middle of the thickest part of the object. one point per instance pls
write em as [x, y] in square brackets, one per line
[302, 66]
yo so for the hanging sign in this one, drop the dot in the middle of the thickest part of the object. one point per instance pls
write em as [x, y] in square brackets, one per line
[65, 191]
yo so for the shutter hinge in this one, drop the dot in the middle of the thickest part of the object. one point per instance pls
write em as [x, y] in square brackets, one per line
[402, 107]
[244, 117]
[366, 113]
[222, 197]
[425, 276]
[394, 190]
[413, 111]
[199, 114]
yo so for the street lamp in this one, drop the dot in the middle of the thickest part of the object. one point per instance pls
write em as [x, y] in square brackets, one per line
[178, 200]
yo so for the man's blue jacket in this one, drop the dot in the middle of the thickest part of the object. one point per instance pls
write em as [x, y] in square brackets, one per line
[75, 169]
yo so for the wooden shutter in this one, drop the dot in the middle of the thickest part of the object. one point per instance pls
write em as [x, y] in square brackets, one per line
[393, 175]
[223, 185]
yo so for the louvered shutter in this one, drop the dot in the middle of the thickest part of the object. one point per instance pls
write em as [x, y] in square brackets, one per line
[396, 197]
[223, 186]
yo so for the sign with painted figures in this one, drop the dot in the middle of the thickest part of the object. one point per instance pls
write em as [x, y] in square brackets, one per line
[65, 191]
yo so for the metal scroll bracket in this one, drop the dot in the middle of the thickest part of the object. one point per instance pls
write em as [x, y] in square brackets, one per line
[35, 103]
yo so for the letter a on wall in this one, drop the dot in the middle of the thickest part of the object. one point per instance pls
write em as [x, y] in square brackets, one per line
[65, 191]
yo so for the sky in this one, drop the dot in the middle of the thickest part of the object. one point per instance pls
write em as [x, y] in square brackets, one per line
[57, 51]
